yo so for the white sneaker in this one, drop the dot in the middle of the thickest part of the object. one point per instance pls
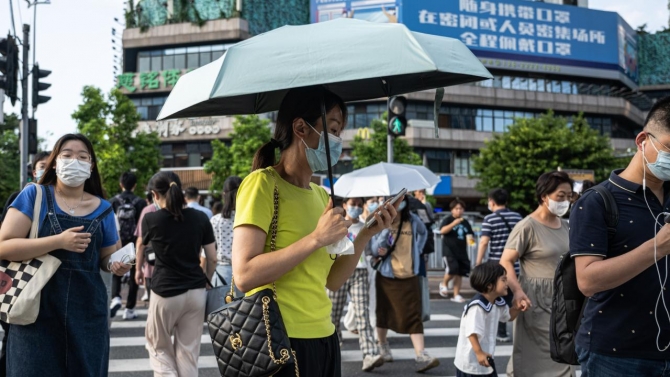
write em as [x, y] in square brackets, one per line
[444, 291]
[145, 297]
[371, 362]
[115, 306]
[424, 361]
[458, 299]
[129, 314]
[385, 352]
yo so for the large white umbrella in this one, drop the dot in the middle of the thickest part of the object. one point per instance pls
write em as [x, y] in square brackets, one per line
[384, 179]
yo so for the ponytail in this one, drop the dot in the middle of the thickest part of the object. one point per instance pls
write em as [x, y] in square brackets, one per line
[168, 184]
[264, 157]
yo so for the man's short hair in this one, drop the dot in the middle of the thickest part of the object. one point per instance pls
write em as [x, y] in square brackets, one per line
[499, 196]
[128, 180]
[191, 193]
[659, 115]
[456, 202]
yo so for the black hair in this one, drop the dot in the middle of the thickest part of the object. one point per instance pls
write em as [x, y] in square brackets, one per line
[150, 197]
[549, 182]
[39, 157]
[456, 202]
[345, 200]
[216, 208]
[499, 196]
[587, 184]
[191, 193]
[299, 103]
[405, 214]
[168, 184]
[128, 180]
[93, 184]
[230, 186]
[659, 114]
[484, 277]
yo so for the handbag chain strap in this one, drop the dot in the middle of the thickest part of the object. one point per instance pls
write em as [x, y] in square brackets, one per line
[266, 300]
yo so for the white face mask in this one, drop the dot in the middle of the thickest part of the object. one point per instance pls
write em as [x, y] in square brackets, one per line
[72, 172]
[558, 208]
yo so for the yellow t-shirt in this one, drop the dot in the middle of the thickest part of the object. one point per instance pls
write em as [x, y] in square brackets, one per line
[301, 293]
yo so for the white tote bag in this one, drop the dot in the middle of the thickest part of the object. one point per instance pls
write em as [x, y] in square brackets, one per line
[21, 282]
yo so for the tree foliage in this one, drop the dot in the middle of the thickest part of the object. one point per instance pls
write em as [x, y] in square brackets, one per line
[249, 134]
[9, 157]
[371, 151]
[110, 122]
[515, 159]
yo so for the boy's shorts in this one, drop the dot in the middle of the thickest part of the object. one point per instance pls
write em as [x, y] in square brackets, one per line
[456, 265]
[463, 374]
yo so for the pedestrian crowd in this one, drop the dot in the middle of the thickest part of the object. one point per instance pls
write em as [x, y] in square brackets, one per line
[273, 230]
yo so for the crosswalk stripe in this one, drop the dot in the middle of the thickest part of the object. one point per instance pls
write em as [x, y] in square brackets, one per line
[139, 365]
[134, 341]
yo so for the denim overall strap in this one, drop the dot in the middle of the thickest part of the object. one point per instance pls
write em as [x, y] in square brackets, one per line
[96, 223]
[51, 214]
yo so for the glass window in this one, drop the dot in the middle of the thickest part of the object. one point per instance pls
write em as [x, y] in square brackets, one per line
[218, 48]
[144, 64]
[158, 101]
[487, 83]
[479, 123]
[411, 115]
[516, 83]
[360, 121]
[153, 112]
[205, 58]
[566, 87]
[181, 161]
[157, 53]
[147, 101]
[192, 61]
[190, 50]
[498, 113]
[507, 82]
[217, 54]
[142, 110]
[499, 124]
[156, 63]
[180, 50]
[555, 86]
[168, 161]
[488, 124]
[523, 85]
[497, 82]
[488, 113]
[540, 85]
[168, 62]
[508, 122]
[180, 61]
[532, 85]
[166, 149]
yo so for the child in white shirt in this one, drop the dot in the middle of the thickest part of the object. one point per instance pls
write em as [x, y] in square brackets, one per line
[479, 325]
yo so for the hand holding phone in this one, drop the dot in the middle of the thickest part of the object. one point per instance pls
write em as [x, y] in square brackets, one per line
[371, 220]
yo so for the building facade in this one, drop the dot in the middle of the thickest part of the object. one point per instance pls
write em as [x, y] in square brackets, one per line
[567, 58]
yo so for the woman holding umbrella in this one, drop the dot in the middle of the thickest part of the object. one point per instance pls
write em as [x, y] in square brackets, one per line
[307, 222]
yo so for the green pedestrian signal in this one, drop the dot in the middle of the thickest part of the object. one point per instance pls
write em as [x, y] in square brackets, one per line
[396, 115]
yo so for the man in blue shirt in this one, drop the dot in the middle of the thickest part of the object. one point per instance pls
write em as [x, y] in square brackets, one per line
[625, 330]
[192, 197]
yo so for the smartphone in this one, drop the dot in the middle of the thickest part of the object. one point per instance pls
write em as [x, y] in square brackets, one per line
[491, 363]
[371, 221]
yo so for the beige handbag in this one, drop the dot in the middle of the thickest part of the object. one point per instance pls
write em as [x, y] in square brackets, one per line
[21, 282]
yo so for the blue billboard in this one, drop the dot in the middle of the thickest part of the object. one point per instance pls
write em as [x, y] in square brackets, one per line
[504, 28]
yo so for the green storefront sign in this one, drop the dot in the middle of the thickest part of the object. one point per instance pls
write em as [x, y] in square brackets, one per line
[149, 80]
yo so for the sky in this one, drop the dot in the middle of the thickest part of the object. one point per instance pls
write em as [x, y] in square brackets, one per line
[74, 41]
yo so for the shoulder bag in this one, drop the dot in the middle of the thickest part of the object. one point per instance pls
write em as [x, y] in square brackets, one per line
[21, 283]
[248, 333]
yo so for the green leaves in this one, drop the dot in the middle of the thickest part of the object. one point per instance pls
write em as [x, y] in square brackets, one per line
[249, 134]
[515, 159]
[111, 125]
[371, 151]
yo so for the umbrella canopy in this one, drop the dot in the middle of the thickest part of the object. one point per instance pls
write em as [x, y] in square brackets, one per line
[383, 179]
[357, 60]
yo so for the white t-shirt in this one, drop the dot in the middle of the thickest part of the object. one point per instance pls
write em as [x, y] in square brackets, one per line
[479, 317]
[354, 229]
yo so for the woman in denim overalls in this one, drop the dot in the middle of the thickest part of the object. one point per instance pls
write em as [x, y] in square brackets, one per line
[70, 336]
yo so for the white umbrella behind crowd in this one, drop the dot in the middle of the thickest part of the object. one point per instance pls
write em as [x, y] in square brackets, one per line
[384, 179]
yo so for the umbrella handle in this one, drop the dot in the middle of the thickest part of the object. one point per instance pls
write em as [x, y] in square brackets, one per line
[327, 142]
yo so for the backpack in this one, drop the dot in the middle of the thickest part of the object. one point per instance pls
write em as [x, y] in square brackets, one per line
[568, 302]
[127, 216]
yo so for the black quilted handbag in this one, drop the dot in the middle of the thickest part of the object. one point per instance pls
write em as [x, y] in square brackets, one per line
[248, 333]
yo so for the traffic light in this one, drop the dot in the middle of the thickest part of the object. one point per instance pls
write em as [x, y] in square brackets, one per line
[32, 136]
[39, 86]
[9, 66]
[397, 123]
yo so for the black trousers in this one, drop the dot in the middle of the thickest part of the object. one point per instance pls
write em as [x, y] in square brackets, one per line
[3, 353]
[132, 289]
[316, 357]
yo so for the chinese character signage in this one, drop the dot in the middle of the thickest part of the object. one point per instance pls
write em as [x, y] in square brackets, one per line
[368, 10]
[130, 82]
[543, 33]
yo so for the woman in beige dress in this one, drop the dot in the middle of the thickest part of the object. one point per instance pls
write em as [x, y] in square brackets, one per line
[537, 242]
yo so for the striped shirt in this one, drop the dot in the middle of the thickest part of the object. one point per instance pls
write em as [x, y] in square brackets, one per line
[494, 227]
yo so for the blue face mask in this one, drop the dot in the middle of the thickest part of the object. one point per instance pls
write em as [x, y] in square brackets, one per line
[316, 158]
[402, 206]
[661, 167]
[373, 207]
[354, 211]
[39, 174]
